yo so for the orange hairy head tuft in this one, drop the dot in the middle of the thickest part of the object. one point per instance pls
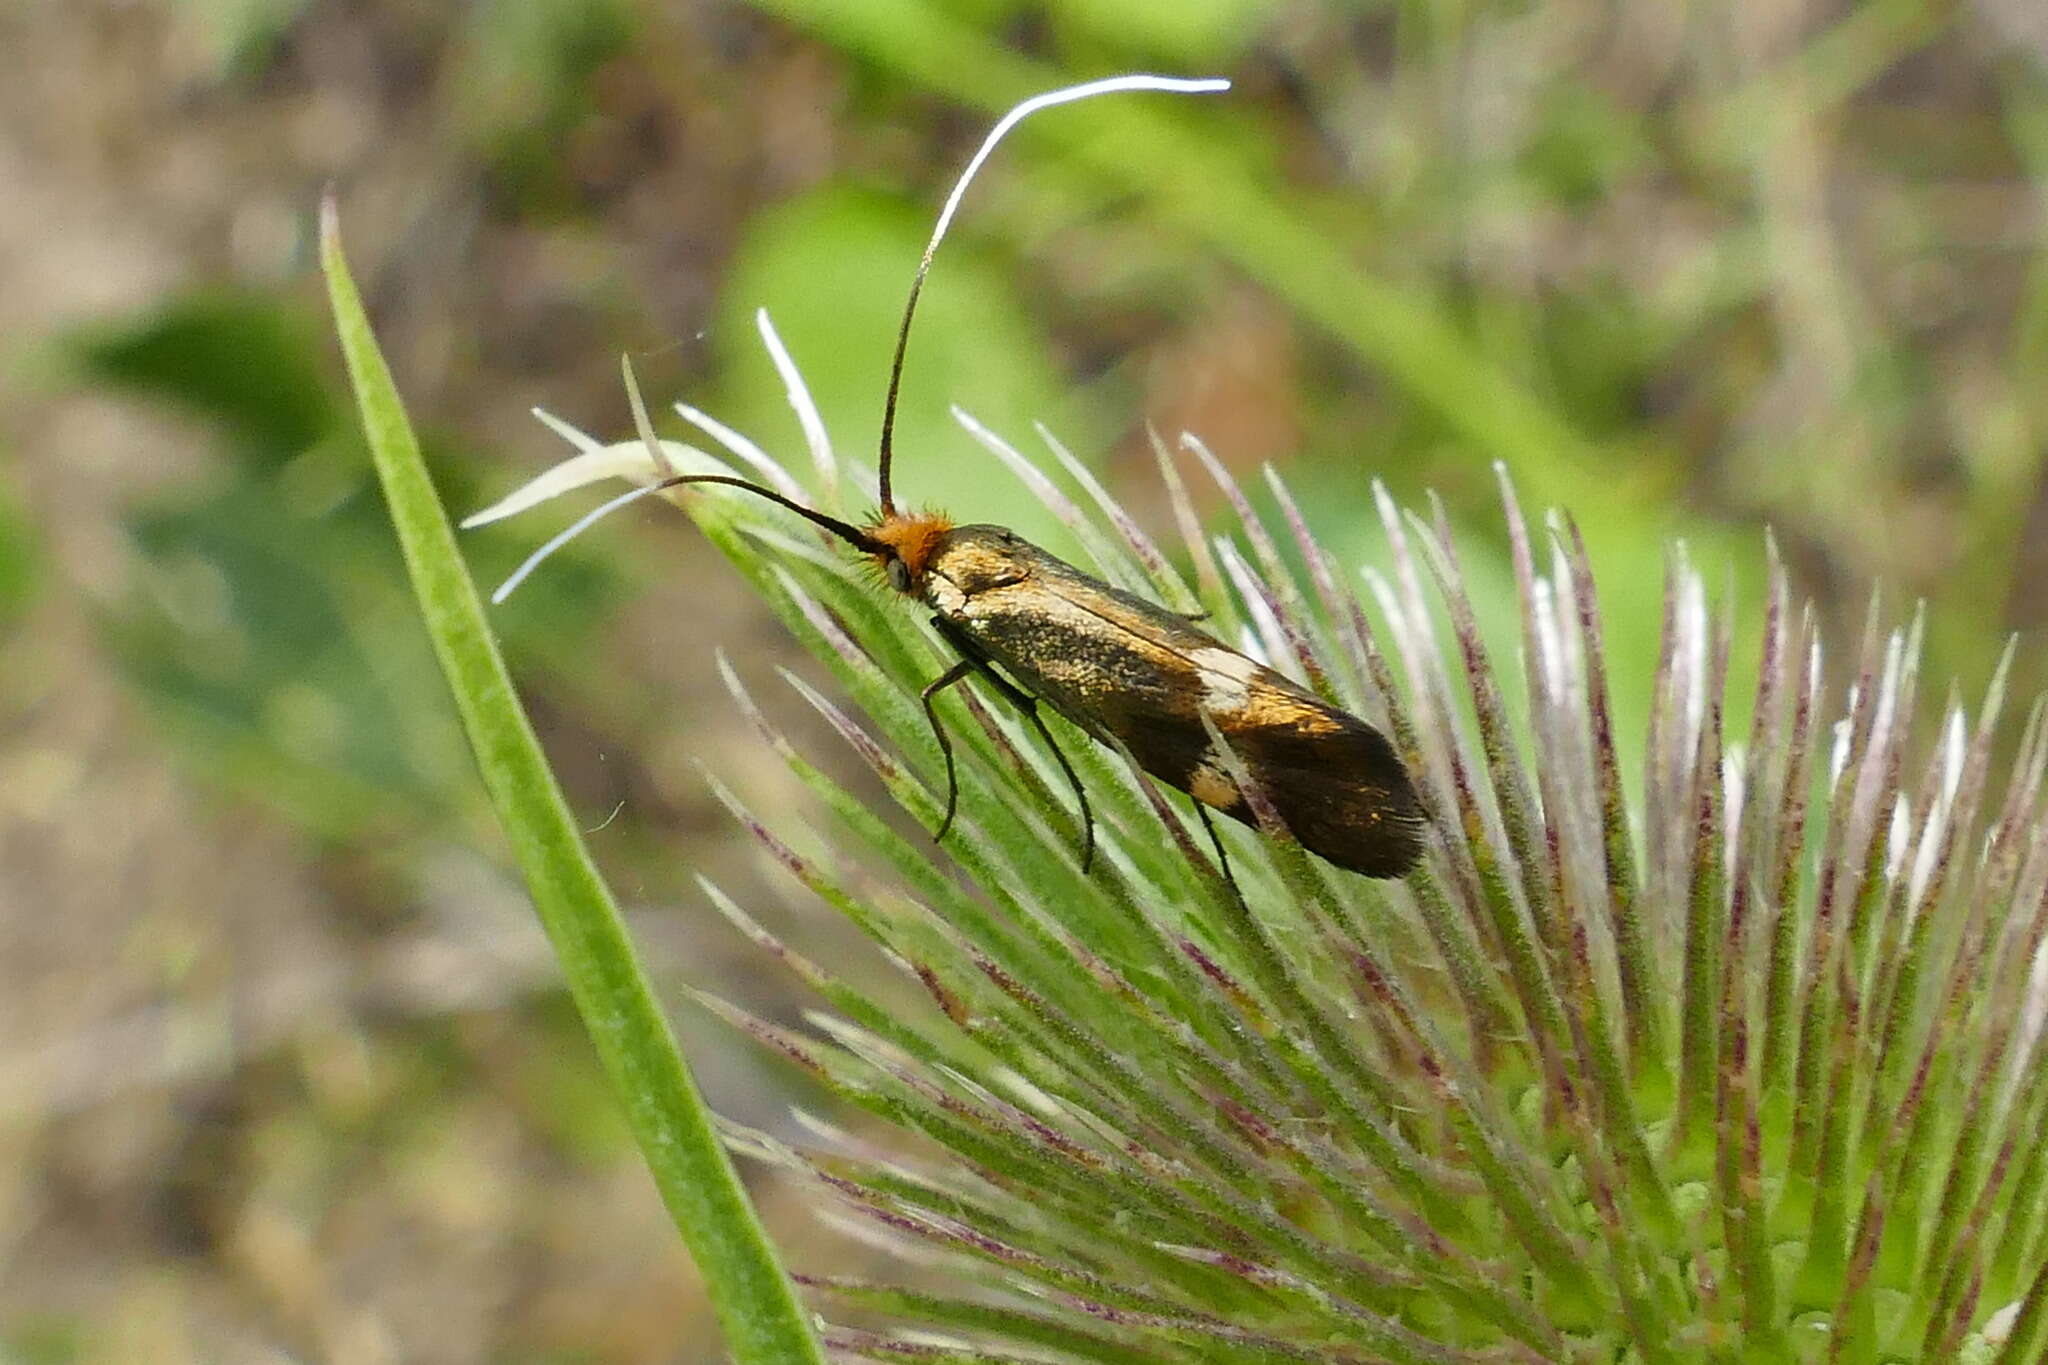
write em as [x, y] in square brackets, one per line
[911, 538]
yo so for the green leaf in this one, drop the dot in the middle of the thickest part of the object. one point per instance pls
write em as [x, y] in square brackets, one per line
[752, 1295]
[238, 359]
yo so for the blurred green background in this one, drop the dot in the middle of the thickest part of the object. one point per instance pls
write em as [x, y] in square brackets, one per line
[283, 1068]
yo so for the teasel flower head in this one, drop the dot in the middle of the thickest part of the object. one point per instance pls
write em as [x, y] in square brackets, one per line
[1732, 1055]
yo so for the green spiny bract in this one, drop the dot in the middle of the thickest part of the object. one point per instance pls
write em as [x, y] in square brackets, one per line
[1734, 1059]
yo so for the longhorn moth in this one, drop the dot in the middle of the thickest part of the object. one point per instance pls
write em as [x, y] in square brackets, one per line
[1129, 672]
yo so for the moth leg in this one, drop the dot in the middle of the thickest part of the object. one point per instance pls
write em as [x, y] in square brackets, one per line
[1026, 703]
[1195, 616]
[1216, 842]
[932, 689]
[1029, 706]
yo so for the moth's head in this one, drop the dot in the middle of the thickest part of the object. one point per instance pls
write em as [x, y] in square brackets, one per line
[902, 545]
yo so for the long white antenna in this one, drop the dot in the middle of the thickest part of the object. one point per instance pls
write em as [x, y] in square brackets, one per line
[1067, 95]
[1107, 86]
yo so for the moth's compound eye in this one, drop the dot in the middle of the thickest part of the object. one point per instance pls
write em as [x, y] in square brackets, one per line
[899, 575]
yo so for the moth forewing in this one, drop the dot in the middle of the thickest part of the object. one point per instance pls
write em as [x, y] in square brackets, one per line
[1263, 814]
[1331, 780]
[1130, 672]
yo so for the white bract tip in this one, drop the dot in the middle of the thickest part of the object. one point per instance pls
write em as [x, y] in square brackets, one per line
[1694, 630]
[1955, 748]
[1898, 838]
[638, 460]
[800, 401]
[1955, 739]
[1262, 628]
[596, 463]
[743, 449]
[1734, 793]
[557, 541]
[1550, 658]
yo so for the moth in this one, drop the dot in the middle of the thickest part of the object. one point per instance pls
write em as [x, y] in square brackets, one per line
[1126, 671]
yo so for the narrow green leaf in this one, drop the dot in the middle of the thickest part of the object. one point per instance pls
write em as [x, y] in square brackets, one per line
[754, 1299]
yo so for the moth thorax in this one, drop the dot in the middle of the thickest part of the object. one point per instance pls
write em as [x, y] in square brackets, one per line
[912, 538]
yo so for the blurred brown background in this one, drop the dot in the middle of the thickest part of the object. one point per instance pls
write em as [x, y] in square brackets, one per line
[284, 1072]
